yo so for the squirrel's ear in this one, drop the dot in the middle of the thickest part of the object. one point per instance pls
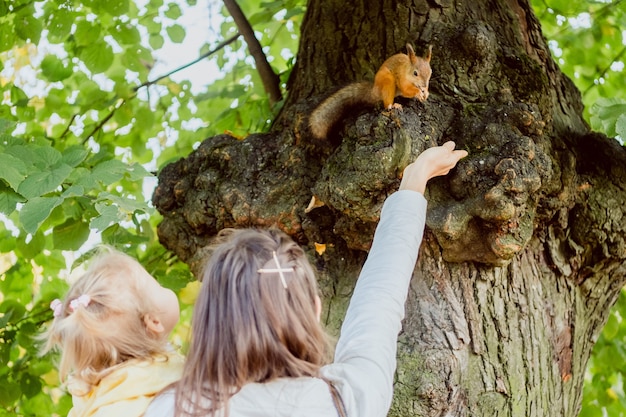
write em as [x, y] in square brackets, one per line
[410, 51]
[430, 53]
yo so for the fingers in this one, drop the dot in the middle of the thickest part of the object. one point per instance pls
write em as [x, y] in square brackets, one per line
[455, 157]
[456, 154]
[444, 158]
[449, 145]
[432, 162]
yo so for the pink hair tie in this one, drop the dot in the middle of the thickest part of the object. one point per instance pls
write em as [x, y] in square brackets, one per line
[56, 306]
[83, 300]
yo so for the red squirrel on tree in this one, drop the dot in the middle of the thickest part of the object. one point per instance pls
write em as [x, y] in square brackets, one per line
[405, 75]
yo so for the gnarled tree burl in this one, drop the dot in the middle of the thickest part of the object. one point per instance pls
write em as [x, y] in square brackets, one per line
[525, 249]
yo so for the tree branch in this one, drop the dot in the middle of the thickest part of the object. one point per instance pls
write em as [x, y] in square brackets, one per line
[103, 121]
[271, 81]
[605, 70]
[67, 128]
[200, 58]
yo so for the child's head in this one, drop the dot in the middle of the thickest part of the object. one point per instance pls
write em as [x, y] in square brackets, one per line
[256, 317]
[114, 312]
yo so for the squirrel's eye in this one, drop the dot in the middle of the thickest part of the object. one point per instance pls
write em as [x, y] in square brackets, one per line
[415, 73]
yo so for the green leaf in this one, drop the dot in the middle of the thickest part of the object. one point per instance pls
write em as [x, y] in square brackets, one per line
[18, 97]
[73, 191]
[175, 279]
[144, 118]
[36, 211]
[128, 204]
[30, 385]
[153, 27]
[45, 156]
[126, 34]
[6, 127]
[620, 126]
[40, 404]
[56, 99]
[114, 7]
[591, 410]
[13, 170]
[155, 4]
[12, 311]
[86, 33]
[7, 35]
[176, 33]
[156, 41]
[8, 199]
[611, 327]
[97, 56]
[136, 59]
[137, 172]
[54, 69]
[7, 242]
[90, 96]
[74, 155]
[117, 235]
[27, 26]
[9, 392]
[83, 177]
[70, 235]
[173, 11]
[40, 183]
[60, 25]
[109, 171]
[25, 112]
[123, 115]
[108, 214]
[605, 114]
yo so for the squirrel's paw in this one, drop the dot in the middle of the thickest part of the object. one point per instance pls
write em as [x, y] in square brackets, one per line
[392, 106]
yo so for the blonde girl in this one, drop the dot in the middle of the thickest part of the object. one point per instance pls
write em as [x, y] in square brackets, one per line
[112, 332]
[257, 346]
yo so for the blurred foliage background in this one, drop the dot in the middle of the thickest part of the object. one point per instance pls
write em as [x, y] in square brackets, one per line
[89, 114]
[588, 40]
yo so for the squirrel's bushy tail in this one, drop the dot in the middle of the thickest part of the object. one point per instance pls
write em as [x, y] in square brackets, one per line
[329, 111]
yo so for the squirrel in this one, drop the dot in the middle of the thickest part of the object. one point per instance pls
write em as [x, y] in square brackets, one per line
[404, 75]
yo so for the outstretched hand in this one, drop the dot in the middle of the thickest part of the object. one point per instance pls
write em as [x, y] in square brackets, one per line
[433, 162]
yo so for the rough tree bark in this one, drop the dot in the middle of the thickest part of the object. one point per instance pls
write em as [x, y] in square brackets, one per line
[524, 251]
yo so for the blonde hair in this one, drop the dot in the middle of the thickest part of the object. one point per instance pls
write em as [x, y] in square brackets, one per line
[110, 329]
[248, 325]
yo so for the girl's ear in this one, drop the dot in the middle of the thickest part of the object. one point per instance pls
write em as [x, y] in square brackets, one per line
[153, 324]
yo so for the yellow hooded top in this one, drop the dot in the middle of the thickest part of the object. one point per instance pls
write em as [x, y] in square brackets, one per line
[128, 390]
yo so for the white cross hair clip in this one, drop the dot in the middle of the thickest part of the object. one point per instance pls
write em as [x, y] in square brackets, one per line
[279, 270]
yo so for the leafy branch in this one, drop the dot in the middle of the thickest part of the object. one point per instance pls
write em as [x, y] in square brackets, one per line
[604, 9]
[146, 84]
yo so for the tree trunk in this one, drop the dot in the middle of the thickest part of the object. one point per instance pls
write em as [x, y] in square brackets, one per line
[524, 252]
